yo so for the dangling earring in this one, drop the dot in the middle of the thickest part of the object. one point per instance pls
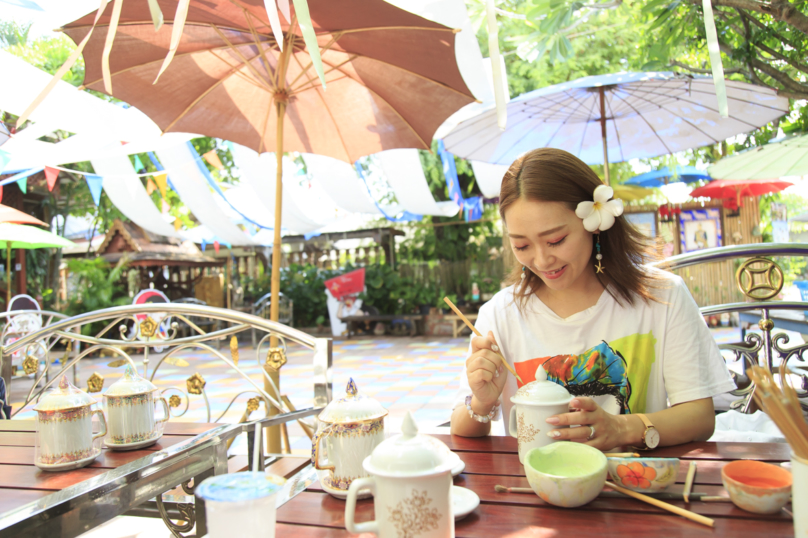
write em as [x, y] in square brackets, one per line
[598, 256]
[523, 272]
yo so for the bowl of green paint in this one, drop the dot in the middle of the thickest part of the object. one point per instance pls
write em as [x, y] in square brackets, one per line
[566, 474]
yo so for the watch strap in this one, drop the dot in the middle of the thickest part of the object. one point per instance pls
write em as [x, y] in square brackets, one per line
[645, 420]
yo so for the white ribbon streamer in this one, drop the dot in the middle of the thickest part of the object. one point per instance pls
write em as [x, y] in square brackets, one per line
[156, 14]
[496, 66]
[715, 58]
[274, 22]
[176, 35]
[112, 29]
[283, 5]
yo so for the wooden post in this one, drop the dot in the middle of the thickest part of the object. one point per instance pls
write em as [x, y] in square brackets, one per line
[21, 278]
[603, 135]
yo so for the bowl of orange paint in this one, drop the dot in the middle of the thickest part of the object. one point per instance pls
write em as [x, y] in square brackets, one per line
[757, 487]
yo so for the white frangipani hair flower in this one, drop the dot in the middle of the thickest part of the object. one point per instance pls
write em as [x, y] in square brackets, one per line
[600, 214]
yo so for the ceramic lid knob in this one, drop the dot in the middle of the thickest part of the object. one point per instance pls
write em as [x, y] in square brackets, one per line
[130, 384]
[354, 407]
[64, 396]
[410, 454]
[541, 391]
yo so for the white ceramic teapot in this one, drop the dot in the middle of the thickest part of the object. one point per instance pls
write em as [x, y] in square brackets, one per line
[534, 403]
[350, 428]
[64, 428]
[130, 408]
[411, 482]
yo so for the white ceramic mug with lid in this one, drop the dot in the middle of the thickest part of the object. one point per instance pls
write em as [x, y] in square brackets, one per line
[534, 403]
[411, 481]
[348, 431]
[65, 438]
[130, 405]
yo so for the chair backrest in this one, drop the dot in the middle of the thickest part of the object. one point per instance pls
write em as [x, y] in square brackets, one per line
[27, 322]
[759, 279]
[190, 300]
[285, 308]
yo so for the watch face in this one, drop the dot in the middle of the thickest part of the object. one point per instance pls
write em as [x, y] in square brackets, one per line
[651, 438]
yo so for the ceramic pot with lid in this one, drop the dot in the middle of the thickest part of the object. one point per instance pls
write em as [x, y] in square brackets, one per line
[64, 429]
[349, 428]
[130, 406]
[534, 403]
[411, 482]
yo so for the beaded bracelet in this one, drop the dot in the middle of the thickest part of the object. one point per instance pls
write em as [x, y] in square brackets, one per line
[478, 418]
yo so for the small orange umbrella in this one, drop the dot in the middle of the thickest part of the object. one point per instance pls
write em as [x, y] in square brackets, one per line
[15, 216]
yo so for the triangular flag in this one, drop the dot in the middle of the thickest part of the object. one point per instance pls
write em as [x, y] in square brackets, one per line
[216, 246]
[51, 174]
[138, 164]
[166, 207]
[1, 193]
[204, 245]
[150, 186]
[23, 184]
[162, 183]
[213, 159]
[177, 224]
[5, 157]
[95, 184]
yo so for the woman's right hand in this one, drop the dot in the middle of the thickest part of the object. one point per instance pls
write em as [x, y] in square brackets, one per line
[486, 374]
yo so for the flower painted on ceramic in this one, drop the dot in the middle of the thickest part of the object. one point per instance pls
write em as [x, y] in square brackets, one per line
[600, 214]
[636, 475]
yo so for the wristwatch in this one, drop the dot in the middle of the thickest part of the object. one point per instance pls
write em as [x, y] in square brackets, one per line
[650, 437]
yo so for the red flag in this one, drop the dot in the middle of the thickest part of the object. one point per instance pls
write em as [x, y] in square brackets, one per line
[347, 284]
[216, 246]
[51, 174]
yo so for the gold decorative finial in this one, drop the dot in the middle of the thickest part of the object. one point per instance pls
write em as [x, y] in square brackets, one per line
[195, 384]
[95, 382]
[252, 405]
[234, 349]
[148, 327]
[30, 365]
[174, 401]
[759, 278]
[276, 357]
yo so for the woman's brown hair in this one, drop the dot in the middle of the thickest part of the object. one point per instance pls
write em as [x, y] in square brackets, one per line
[554, 175]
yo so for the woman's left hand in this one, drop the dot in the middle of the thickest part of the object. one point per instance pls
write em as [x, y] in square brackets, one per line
[607, 433]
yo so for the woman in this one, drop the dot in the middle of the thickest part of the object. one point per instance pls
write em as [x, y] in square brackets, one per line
[626, 340]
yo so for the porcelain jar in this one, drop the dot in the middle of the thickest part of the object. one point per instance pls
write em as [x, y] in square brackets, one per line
[348, 431]
[64, 429]
[130, 406]
[411, 482]
[534, 403]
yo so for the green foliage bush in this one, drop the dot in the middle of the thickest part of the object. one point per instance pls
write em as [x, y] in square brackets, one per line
[99, 286]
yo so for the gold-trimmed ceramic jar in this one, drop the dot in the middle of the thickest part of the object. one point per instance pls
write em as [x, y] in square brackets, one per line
[130, 406]
[350, 428]
[64, 428]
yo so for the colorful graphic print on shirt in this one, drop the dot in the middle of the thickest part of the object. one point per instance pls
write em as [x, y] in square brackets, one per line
[618, 369]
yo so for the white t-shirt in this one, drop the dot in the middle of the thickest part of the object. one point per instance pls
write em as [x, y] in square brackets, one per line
[632, 359]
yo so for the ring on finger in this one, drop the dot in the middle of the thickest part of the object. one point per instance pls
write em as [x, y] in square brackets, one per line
[591, 433]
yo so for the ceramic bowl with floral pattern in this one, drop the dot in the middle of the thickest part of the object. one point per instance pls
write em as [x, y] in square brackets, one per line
[645, 475]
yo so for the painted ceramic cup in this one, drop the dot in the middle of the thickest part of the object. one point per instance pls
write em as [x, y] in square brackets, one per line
[534, 403]
[645, 475]
[130, 407]
[799, 494]
[757, 487]
[565, 473]
[65, 438]
[349, 428]
[411, 483]
[243, 501]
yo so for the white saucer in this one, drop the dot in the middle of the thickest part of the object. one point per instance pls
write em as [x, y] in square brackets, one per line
[69, 465]
[459, 467]
[343, 494]
[132, 446]
[464, 501]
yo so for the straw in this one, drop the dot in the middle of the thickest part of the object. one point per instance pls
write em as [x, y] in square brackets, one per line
[256, 446]
[692, 516]
[691, 475]
[622, 454]
[475, 331]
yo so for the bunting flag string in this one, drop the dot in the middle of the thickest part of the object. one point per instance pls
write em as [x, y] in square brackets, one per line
[472, 208]
[150, 186]
[1, 194]
[95, 183]
[177, 224]
[162, 183]
[23, 184]
[213, 159]
[5, 158]
[138, 164]
[51, 174]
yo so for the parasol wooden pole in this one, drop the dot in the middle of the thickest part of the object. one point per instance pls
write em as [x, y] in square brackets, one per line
[273, 432]
[603, 136]
[8, 273]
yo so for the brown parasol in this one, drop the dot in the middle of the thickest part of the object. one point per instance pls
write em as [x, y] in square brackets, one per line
[391, 77]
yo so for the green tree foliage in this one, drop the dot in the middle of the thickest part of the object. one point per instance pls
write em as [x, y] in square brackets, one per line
[97, 286]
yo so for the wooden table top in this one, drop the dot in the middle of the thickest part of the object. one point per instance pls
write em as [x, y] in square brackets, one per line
[22, 482]
[493, 460]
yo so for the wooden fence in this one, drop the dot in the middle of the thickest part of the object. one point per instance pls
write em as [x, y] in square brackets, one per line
[456, 277]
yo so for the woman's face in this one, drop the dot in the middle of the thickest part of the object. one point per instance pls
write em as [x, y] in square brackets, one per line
[551, 241]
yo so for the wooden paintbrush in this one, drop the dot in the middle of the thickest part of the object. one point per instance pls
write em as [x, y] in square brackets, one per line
[476, 332]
